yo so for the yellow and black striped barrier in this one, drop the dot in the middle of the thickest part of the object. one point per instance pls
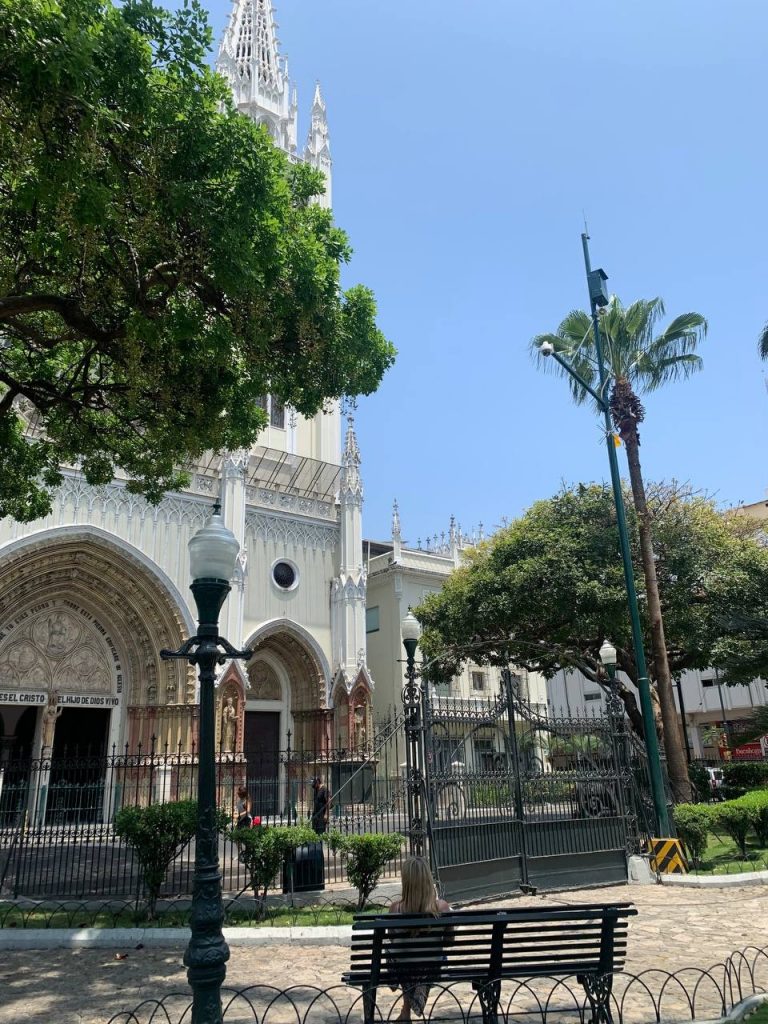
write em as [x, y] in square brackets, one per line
[667, 857]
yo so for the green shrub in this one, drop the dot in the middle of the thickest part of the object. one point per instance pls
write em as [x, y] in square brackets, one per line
[692, 822]
[366, 856]
[756, 804]
[745, 774]
[156, 834]
[733, 819]
[263, 850]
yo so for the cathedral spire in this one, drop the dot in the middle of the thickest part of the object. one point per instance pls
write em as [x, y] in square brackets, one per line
[249, 57]
[317, 152]
[351, 482]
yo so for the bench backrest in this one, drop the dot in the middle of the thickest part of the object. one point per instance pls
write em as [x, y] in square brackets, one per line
[525, 942]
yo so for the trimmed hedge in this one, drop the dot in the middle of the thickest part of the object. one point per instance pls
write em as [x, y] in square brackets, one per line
[735, 818]
[692, 822]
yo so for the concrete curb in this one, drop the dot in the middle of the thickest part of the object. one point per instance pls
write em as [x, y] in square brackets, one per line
[716, 881]
[741, 1011]
[166, 938]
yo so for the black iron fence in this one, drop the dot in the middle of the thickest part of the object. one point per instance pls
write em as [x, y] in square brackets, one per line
[655, 995]
[56, 815]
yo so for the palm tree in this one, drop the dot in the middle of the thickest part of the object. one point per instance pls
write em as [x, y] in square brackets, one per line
[637, 361]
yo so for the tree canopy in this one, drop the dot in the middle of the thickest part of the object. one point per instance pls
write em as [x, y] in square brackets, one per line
[545, 591]
[162, 264]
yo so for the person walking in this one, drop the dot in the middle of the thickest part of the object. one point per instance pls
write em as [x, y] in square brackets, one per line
[321, 805]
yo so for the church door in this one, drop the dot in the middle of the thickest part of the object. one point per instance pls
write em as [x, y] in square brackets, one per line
[76, 786]
[262, 752]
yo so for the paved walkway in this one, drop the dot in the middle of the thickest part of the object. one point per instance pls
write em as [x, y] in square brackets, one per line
[674, 929]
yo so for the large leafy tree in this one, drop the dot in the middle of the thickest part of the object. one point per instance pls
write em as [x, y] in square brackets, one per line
[638, 360]
[162, 265]
[545, 591]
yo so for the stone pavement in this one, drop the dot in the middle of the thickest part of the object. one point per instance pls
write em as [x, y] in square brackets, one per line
[675, 928]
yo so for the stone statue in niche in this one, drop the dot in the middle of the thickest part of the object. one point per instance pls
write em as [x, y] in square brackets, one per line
[360, 727]
[50, 715]
[229, 725]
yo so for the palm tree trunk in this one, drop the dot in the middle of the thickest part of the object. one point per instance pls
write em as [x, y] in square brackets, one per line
[676, 761]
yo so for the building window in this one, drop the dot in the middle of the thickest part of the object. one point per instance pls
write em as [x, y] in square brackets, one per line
[593, 696]
[274, 409]
[285, 575]
[372, 620]
[277, 414]
[706, 683]
[478, 681]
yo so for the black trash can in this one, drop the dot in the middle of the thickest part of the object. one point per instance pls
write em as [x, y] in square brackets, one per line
[307, 867]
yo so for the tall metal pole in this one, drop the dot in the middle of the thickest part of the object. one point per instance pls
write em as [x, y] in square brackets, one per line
[506, 675]
[414, 783]
[207, 953]
[726, 723]
[643, 683]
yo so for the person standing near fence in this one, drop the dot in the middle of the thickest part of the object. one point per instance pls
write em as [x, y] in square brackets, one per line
[243, 808]
[321, 805]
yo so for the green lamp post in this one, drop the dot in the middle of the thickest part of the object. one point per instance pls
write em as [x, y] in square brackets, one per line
[598, 297]
[212, 554]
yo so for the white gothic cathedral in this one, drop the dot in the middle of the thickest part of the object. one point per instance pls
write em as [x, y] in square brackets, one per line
[90, 594]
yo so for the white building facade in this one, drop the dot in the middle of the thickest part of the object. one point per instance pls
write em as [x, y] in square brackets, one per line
[400, 577]
[92, 593]
[711, 713]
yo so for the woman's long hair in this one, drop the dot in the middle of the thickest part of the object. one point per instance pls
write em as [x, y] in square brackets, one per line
[418, 895]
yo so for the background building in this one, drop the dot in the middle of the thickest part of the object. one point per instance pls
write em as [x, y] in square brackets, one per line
[401, 576]
[711, 713]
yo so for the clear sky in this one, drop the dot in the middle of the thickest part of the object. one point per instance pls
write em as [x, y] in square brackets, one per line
[470, 138]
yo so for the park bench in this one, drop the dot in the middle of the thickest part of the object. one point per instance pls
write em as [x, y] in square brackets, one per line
[485, 947]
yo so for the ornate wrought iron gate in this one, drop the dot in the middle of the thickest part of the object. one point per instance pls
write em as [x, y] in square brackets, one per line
[506, 795]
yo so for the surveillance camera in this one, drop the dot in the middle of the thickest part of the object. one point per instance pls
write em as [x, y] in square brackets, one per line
[546, 348]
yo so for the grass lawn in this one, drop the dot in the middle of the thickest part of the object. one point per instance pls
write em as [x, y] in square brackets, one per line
[277, 917]
[722, 857]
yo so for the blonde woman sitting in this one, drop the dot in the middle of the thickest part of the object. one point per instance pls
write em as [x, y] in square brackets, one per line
[412, 962]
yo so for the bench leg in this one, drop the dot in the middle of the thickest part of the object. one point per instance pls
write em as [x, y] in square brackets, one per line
[369, 1005]
[488, 993]
[598, 988]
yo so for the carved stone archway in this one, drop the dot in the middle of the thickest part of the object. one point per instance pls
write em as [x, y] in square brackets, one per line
[81, 612]
[306, 670]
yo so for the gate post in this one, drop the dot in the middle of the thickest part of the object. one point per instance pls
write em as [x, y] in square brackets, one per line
[412, 708]
[506, 676]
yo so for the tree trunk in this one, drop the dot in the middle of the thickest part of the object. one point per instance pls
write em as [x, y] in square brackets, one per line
[677, 765]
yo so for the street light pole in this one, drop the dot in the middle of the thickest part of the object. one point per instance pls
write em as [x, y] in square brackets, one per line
[598, 298]
[213, 550]
[413, 709]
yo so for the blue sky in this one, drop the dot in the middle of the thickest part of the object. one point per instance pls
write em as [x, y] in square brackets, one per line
[470, 137]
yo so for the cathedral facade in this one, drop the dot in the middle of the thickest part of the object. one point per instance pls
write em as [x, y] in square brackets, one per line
[92, 593]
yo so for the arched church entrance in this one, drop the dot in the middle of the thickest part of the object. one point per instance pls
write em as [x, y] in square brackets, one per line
[287, 727]
[82, 621]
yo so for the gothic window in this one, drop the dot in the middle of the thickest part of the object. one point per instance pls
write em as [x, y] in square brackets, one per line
[244, 45]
